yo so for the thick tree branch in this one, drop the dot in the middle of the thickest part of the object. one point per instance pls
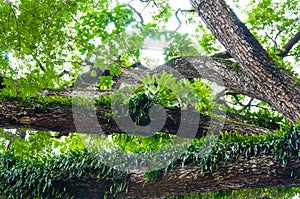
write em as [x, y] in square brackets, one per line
[257, 171]
[61, 119]
[280, 89]
[216, 70]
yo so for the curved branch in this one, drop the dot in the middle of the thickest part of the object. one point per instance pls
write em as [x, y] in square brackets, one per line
[138, 13]
[178, 19]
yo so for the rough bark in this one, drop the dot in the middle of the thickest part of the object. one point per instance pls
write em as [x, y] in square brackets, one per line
[218, 71]
[277, 88]
[61, 119]
[259, 171]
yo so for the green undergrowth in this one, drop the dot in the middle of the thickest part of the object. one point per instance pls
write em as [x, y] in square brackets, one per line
[164, 90]
[23, 174]
[39, 101]
[209, 153]
[281, 143]
[38, 178]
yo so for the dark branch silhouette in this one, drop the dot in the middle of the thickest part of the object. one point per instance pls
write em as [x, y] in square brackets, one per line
[289, 45]
[137, 12]
[178, 19]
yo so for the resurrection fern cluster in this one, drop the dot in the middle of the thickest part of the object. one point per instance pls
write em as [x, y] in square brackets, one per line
[23, 176]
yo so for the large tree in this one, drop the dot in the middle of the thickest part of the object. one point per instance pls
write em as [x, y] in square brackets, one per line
[47, 45]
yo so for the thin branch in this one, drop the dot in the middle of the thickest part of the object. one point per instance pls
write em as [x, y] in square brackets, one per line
[74, 19]
[39, 63]
[64, 72]
[245, 106]
[138, 13]
[279, 32]
[249, 103]
[290, 44]
[178, 19]
[273, 40]
[148, 2]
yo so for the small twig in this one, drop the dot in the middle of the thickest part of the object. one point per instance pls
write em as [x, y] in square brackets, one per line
[138, 13]
[279, 32]
[273, 40]
[148, 2]
[64, 72]
[178, 19]
[248, 105]
[39, 63]
[74, 19]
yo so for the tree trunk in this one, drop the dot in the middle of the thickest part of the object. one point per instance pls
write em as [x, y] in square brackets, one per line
[275, 86]
[259, 171]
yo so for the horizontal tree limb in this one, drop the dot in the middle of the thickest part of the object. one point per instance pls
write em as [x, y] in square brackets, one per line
[62, 119]
[254, 172]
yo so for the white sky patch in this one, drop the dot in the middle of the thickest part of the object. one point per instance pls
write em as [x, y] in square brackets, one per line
[152, 54]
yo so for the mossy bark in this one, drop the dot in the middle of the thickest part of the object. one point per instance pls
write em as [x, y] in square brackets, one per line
[258, 171]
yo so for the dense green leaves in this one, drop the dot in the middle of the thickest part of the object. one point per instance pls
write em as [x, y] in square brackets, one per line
[275, 23]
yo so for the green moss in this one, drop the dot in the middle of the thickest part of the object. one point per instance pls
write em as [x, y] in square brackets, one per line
[45, 102]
